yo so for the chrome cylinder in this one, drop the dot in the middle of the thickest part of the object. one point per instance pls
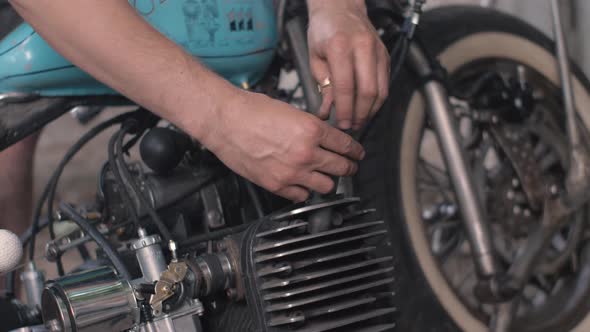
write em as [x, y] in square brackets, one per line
[96, 300]
[149, 256]
[33, 282]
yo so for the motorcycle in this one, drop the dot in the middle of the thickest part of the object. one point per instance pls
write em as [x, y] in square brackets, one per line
[468, 213]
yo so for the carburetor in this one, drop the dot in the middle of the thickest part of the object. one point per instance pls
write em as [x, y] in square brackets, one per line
[164, 299]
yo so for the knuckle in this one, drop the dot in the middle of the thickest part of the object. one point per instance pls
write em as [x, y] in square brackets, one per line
[304, 197]
[368, 91]
[327, 187]
[365, 40]
[352, 168]
[274, 186]
[347, 169]
[362, 119]
[290, 176]
[347, 144]
[312, 129]
[339, 43]
[303, 155]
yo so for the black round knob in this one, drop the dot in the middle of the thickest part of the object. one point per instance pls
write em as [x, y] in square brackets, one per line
[162, 149]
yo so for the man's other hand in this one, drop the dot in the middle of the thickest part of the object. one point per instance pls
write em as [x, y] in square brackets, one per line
[345, 50]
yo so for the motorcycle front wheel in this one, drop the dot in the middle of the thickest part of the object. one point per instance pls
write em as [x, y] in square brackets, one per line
[404, 175]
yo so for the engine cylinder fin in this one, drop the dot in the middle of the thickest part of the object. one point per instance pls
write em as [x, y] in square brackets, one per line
[264, 258]
[337, 280]
[339, 306]
[275, 283]
[357, 213]
[378, 328]
[279, 230]
[277, 244]
[274, 269]
[327, 296]
[309, 262]
[348, 320]
[297, 265]
[327, 284]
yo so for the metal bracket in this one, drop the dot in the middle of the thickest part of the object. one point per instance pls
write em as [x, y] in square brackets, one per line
[165, 287]
[213, 207]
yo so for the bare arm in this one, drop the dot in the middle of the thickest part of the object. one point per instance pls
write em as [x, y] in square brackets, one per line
[110, 41]
[268, 142]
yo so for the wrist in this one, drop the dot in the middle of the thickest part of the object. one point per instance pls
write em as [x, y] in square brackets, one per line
[199, 107]
[317, 5]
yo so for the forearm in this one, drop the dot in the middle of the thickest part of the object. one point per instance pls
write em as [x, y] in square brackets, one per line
[110, 41]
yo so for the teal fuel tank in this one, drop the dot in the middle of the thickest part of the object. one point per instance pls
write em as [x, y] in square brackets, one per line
[235, 38]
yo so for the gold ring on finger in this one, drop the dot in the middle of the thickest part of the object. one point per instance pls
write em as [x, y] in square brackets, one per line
[324, 84]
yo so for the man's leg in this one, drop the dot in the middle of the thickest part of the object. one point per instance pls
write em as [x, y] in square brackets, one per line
[16, 185]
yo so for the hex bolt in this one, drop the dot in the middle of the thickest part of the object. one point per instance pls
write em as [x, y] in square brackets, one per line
[554, 190]
[517, 210]
[515, 183]
[510, 194]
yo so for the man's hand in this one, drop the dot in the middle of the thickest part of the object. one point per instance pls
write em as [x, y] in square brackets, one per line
[280, 148]
[346, 49]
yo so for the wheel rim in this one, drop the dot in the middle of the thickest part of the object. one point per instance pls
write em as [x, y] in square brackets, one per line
[457, 56]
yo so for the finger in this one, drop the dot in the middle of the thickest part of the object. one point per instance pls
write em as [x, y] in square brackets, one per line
[321, 71]
[367, 87]
[318, 182]
[341, 63]
[327, 101]
[341, 143]
[294, 193]
[334, 164]
[383, 72]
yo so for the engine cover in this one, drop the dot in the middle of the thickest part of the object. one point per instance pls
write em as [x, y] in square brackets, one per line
[339, 279]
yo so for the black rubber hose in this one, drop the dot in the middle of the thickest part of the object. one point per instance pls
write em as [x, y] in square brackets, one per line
[126, 175]
[100, 240]
[52, 183]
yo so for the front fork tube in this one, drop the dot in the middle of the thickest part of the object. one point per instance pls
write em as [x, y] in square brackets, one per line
[441, 113]
[578, 177]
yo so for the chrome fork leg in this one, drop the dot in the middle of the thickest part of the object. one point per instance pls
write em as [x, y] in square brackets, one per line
[578, 177]
[441, 115]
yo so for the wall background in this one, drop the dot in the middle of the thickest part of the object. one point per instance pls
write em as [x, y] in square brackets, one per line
[538, 13]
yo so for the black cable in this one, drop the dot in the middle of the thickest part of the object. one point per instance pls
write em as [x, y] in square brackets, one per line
[100, 240]
[51, 186]
[404, 44]
[191, 241]
[126, 194]
[254, 198]
[136, 191]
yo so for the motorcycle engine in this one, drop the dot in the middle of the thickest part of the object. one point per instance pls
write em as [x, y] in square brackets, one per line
[223, 274]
